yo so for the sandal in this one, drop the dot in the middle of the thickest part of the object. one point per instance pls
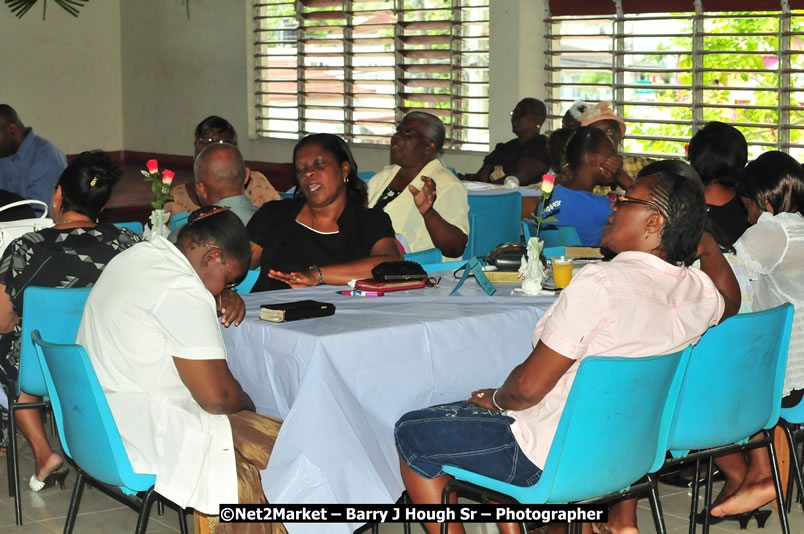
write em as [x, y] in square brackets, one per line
[56, 477]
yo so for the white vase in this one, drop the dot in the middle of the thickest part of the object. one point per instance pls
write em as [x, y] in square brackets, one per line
[532, 271]
[159, 224]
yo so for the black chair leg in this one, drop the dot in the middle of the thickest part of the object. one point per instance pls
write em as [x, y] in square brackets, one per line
[795, 466]
[75, 501]
[694, 501]
[656, 505]
[708, 495]
[182, 521]
[145, 511]
[777, 482]
[160, 507]
[14, 460]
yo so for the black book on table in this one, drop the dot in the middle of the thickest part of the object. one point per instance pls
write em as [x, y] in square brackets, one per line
[293, 311]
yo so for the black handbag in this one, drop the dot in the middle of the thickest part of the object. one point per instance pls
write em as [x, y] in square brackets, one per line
[394, 271]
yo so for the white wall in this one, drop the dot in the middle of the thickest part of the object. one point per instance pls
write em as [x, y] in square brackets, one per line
[138, 75]
[200, 66]
[63, 74]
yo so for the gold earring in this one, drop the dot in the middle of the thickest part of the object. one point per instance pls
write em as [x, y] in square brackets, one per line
[646, 235]
[346, 179]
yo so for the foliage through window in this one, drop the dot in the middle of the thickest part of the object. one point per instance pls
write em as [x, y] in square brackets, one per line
[354, 68]
[669, 74]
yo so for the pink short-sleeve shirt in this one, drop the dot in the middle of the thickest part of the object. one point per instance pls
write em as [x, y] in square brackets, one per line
[635, 305]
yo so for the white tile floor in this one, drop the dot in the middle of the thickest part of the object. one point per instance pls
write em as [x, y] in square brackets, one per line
[44, 512]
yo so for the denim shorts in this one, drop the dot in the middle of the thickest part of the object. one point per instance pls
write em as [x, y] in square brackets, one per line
[466, 436]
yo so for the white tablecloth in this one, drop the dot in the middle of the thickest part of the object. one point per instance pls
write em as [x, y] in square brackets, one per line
[341, 382]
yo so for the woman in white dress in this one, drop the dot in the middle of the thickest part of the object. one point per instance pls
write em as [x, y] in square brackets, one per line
[772, 189]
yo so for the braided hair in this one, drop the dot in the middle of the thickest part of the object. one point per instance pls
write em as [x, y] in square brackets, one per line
[679, 194]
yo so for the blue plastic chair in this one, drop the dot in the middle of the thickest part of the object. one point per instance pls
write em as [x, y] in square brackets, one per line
[178, 220]
[244, 287]
[443, 266]
[493, 219]
[88, 430]
[625, 444]
[431, 255]
[552, 235]
[134, 226]
[366, 175]
[285, 196]
[56, 312]
[733, 389]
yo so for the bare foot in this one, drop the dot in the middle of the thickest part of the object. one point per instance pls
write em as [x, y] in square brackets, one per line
[52, 463]
[610, 528]
[749, 496]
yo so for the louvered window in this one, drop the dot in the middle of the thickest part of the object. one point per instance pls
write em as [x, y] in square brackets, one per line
[354, 68]
[670, 73]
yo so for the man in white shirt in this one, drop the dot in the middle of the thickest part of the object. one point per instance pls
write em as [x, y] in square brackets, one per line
[151, 330]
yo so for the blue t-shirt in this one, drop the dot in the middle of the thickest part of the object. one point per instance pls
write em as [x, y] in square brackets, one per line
[34, 170]
[585, 211]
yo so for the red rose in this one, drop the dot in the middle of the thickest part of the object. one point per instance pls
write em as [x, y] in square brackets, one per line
[167, 177]
[152, 165]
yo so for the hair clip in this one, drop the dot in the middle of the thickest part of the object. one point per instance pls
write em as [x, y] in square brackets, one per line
[204, 212]
[93, 181]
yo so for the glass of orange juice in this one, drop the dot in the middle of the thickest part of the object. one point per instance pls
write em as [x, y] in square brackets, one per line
[562, 270]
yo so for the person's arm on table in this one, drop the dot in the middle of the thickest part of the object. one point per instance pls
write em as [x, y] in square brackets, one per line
[386, 249]
[718, 269]
[528, 383]
[446, 237]
[212, 386]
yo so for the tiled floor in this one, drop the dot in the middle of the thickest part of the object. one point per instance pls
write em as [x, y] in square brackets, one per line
[44, 512]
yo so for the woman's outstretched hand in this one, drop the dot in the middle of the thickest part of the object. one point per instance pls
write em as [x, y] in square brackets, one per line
[296, 279]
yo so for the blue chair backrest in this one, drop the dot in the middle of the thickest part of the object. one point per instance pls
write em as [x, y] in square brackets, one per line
[550, 252]
[553, 235]
[493, 219]
[244, 287]
[443, 266]
[431, 255]
[134, 226]
[56, 313]
[733, 384]
[365, 175]
[613, 429]
[285, 196]
[178, 219]
[83, 417]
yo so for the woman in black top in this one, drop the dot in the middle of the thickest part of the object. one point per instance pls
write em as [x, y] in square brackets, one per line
[719, 153]
[70, 254]
[325, 234]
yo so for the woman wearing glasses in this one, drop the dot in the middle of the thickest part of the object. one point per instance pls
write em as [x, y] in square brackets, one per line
[426, 202]
[325, 234]
[646, 301]
[70, 254]
[590, 160]
[209, 131]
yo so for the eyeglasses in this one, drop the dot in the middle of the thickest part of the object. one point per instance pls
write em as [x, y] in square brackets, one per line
[619, 200]
[408, 132]
[233, 283]
[207, 140]
[204, 212]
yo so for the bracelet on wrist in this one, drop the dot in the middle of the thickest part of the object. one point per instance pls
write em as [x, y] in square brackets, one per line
[320, 276]
[494, 400]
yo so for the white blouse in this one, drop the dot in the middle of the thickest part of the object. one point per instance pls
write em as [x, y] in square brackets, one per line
[773, 252]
